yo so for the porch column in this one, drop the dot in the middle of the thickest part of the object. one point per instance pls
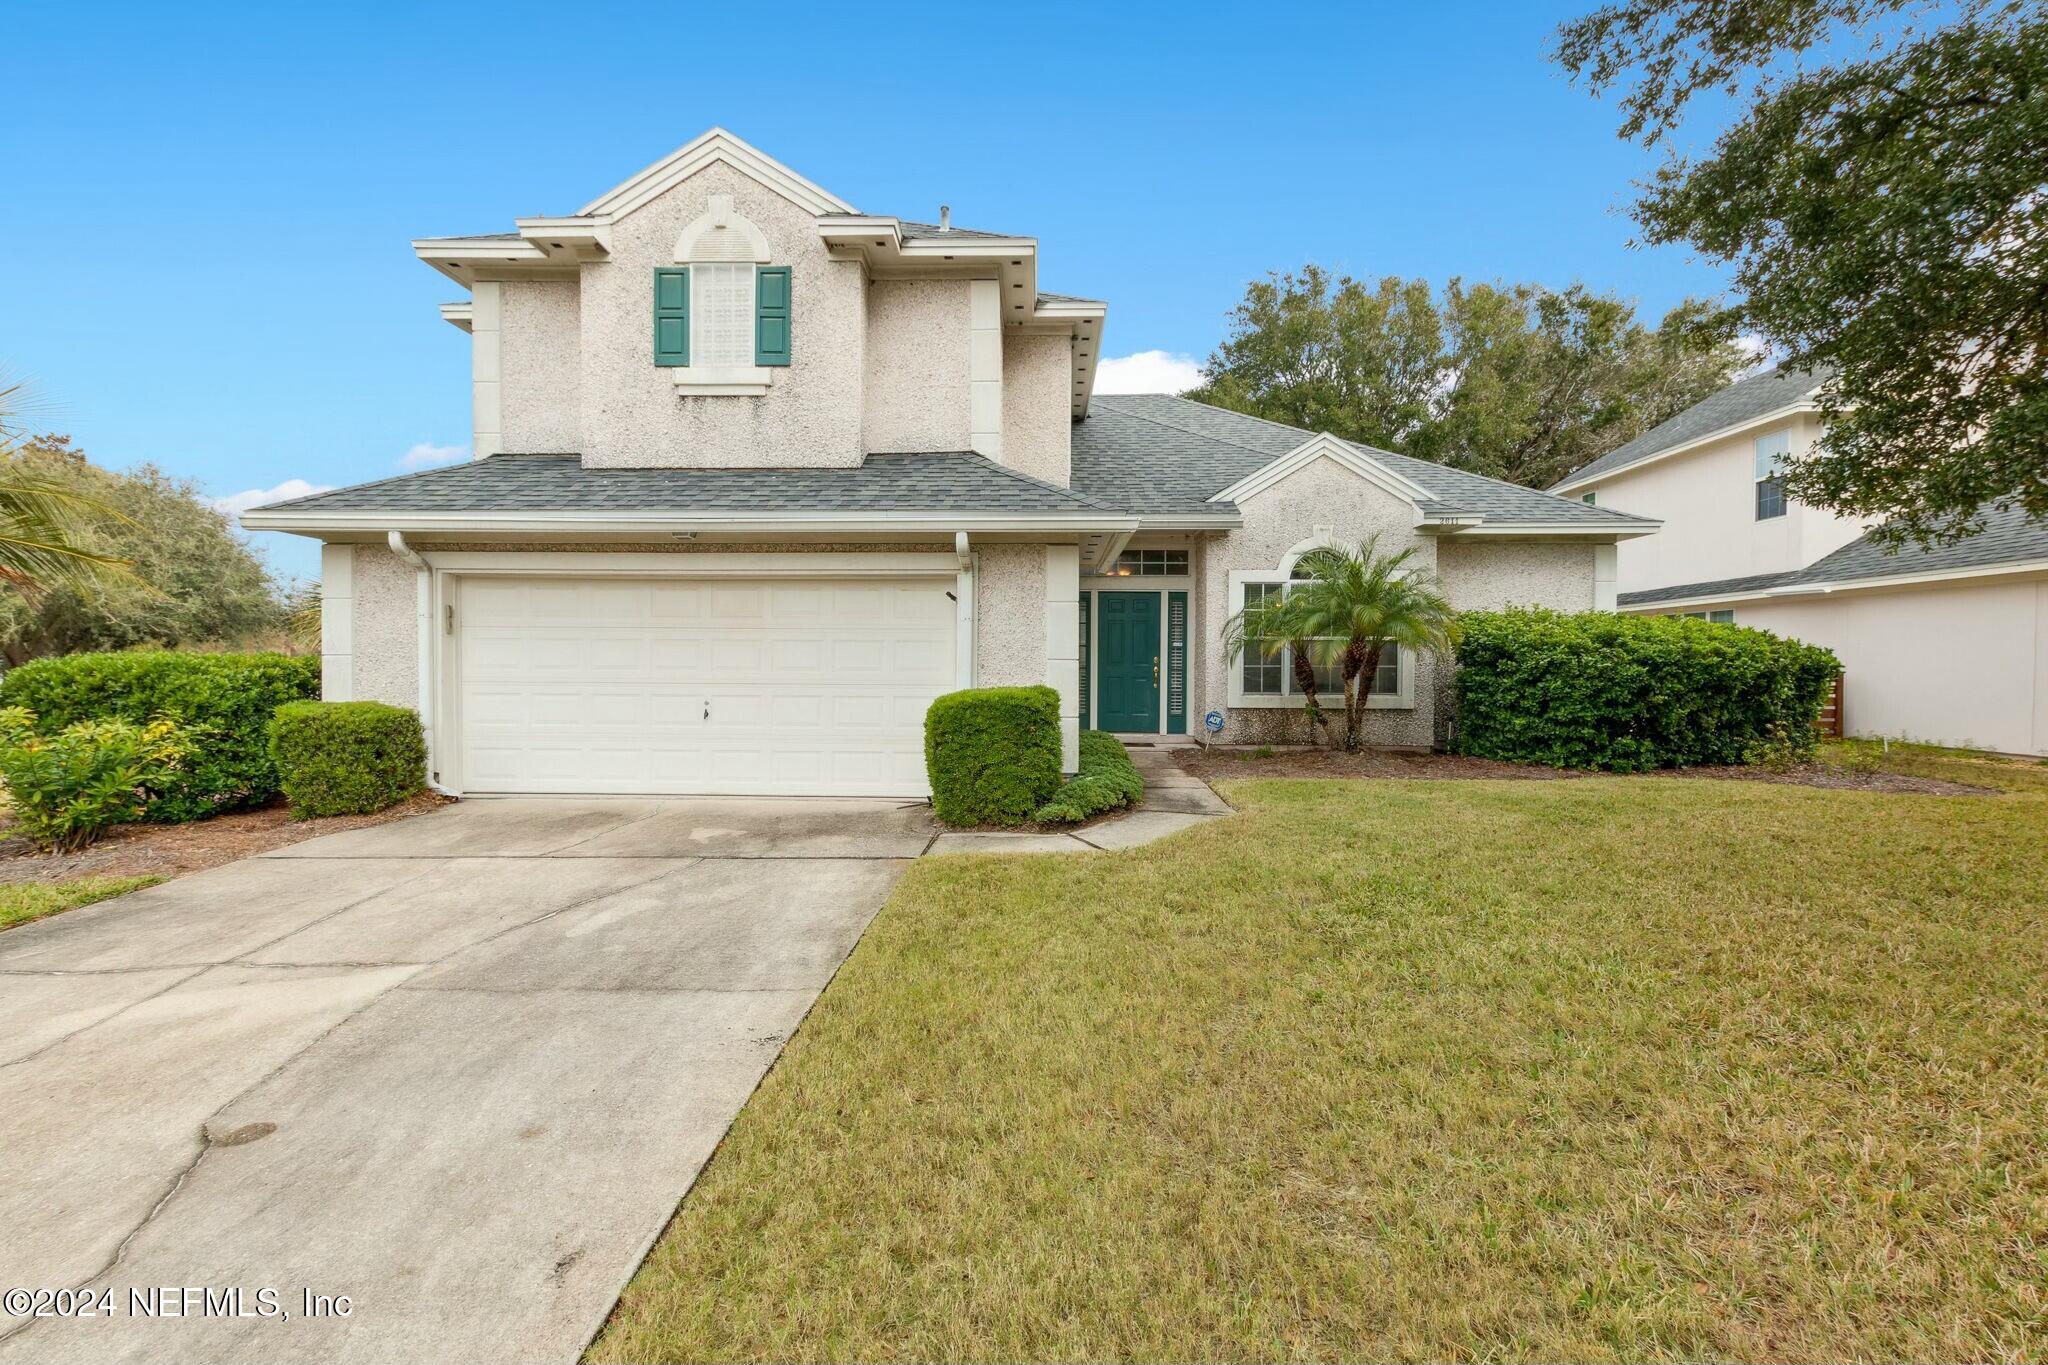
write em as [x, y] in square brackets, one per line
[337, 623]
[1063, 646]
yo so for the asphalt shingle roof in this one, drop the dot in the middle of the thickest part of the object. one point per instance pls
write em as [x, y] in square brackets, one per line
[1743, 401]
[913, 230]
[947, 482]
[2009, 537]
[1157, 455]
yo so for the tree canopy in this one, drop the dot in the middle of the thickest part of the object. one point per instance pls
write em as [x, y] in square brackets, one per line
[1883, 199]
[1516, 381]
[191, 579]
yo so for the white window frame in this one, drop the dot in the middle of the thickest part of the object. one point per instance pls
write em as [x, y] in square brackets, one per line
[1402, 699]
[738, 239]
[1767, 467]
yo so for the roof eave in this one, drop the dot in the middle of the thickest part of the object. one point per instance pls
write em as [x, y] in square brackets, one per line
[313, 522]
[1464, 529]
[1834, 586]
[1575, 481]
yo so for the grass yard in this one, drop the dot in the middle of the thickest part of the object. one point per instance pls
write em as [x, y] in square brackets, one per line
[1612, 1068]
[21, 902]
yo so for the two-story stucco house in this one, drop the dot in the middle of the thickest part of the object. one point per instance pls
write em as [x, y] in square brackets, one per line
[1948, 645]
[758, 475]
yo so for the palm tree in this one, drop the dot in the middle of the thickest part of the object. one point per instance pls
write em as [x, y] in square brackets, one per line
[39, 521]
[1269, 629]
[1346, 605]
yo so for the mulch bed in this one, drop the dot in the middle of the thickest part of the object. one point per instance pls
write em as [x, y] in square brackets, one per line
[1218, 764]
[174, 850]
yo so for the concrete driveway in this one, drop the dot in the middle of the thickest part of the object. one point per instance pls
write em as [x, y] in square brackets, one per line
[458, 1069]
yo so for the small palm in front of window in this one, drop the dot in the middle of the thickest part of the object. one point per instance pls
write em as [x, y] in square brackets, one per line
[1349, 603]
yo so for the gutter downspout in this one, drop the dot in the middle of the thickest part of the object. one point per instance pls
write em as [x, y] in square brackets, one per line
[423, 597]
[963, 612]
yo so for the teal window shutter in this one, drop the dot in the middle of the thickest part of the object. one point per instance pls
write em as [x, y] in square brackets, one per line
[672, 315]
[771, 315]
[1176, 663]
[1087, 601]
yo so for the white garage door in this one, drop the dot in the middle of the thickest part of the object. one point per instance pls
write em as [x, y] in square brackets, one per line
[811, 687]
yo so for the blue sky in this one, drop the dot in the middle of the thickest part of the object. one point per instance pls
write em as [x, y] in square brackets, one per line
[209, 205]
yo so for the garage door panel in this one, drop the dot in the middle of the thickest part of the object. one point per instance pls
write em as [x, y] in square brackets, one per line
[691, 686]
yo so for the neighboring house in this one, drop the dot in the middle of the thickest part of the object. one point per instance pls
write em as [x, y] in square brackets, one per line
[1948, 645]
[759, 475]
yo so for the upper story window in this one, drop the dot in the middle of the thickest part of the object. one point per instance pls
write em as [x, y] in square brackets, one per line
[1150, 563]
[1771, 453]
[722, 314]
[1586, 498]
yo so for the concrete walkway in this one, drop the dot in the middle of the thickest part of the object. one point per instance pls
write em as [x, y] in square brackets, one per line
[1174, 801]
[458, 1069]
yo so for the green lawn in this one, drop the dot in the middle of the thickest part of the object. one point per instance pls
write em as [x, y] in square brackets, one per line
[1578, 1070]
[21, 902]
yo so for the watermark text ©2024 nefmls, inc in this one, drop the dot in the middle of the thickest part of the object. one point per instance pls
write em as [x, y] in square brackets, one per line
[177, 1301]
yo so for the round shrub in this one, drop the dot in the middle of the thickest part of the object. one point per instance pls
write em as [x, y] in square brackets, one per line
[222, 702]
[1108, 779]
[347, 757]
[992, 753]
[1630, 693]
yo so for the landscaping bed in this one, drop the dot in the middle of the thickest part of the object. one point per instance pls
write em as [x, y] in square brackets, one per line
[1920, 770]
[143, 850]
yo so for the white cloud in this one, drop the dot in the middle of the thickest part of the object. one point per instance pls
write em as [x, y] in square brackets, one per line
[1148, 372]
[426, 455]
[1756, 353]
[234, 504]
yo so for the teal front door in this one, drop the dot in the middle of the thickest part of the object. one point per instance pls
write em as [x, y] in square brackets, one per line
[1127, 661]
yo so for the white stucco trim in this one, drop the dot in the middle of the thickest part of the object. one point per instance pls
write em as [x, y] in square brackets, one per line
[985, 367]
[428, 656]
[458, 314]
[1063, 646]
[337, 623]
[715, 144]
[751, 382]
[1578, 483]
[1534, 530]
[1793, 591]
[486, 369]
[1235, 695]
[1606, 578]
[704, 564]
[694, 243]
[1323, 446]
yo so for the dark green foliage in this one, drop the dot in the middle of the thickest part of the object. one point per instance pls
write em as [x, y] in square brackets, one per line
[992, 753]
[1514, 381]
[347, 757]
[1878, 197]
[223, 702]
[1108, 779]
[1628, 693]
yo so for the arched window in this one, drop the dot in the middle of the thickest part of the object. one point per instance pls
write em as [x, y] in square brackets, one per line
[722, 312]
[1267, 680]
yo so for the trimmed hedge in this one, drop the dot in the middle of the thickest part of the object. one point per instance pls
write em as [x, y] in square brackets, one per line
[347, 757]
[224, 701]
[1108, 779]
[992, 753]
[1630, 693]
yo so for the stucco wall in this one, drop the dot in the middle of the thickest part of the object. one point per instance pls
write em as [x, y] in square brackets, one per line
[1486, 576]
[1706, 499]
[632, 414]
[1323, 496]
[1009, 616]
[540, 374]
[1960, 663]
[917, 366]
[1037, 409]
[386, 628]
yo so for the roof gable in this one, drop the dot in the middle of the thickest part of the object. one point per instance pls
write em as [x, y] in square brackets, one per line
[1324, 447]
[1776, 392]
[692, 157]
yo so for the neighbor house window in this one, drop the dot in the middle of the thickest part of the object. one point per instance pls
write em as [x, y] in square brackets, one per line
[1771, 451]
[1150, 563]
[1586, 498]
[1724, 617]
[1265, 675]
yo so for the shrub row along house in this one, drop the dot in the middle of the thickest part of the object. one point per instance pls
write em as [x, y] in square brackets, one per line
[1947, 645]
[759, 475]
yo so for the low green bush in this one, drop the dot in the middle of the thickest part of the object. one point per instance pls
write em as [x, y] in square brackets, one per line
[69, 788]
[222, 702]
[1630, 693]
[992, 753]
[347, 757]
[1108, 779]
